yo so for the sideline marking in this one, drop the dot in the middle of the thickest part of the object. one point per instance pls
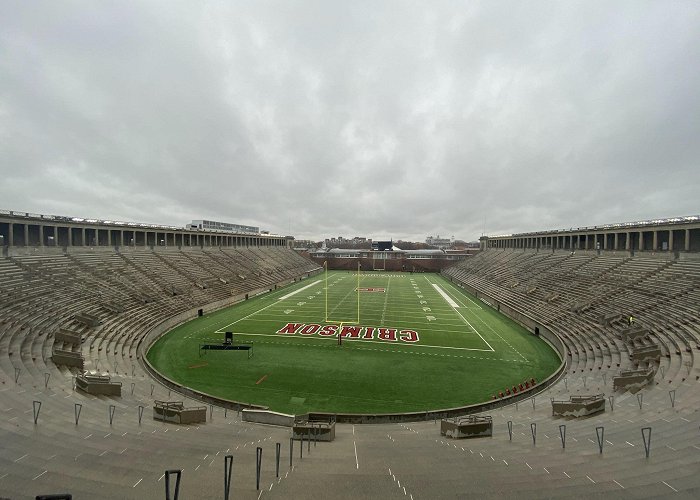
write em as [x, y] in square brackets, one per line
[223, 328]
[487, 326]
[470, 325]
[382, 342]
[447, 298]
[299, 290]
[460, 293]
[261, 379]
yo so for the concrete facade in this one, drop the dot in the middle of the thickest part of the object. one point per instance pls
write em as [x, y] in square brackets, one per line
[28, 230]
[670, 236]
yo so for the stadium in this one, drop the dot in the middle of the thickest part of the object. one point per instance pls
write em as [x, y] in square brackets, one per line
[588, 387]
[344, 250]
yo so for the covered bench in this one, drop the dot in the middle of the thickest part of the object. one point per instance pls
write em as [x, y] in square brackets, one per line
[467, 427]
[175, 412]
[579, 406]
[98, 384]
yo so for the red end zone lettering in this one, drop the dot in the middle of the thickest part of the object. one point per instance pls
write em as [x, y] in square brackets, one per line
[408, 335]
[329, 330]
[310, 329]
[387, 334]
[290, 328]
[351, 332]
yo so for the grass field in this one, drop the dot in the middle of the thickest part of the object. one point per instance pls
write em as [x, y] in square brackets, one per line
[421, 344]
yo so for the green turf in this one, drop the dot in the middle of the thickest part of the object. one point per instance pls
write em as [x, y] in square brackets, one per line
[463, 356]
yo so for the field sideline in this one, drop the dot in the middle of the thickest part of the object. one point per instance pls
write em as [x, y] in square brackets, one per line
[421, 343]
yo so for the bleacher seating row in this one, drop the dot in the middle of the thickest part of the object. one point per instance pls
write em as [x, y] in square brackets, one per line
[587, 300]
[97, 446]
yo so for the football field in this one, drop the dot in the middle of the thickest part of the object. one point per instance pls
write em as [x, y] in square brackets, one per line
[420, 344]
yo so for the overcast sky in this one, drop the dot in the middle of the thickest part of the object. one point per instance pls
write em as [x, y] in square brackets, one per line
[379, 119]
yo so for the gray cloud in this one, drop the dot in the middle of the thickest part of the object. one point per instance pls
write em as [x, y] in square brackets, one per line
[392, 119]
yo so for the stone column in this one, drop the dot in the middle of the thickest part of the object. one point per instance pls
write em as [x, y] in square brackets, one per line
[628, 239]
[670, 240]
[641, 241]
[11, 235]
[617, 241]
[26, 235]
[687, 240]
[41, 235]
[655, 241]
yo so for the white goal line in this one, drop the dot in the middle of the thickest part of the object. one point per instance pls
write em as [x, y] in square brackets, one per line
[345, 339]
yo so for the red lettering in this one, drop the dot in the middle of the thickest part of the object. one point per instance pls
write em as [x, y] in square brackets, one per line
[291, 328]
[408, 336]
[387, 334]
[351, 331]
[310, 329]
[328, 330]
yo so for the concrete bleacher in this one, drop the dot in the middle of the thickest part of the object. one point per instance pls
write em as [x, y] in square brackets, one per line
[44, 294]
[660, 293]
[127, 459]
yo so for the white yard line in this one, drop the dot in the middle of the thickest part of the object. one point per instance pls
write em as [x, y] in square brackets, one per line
[386, 299]
[345, 339]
